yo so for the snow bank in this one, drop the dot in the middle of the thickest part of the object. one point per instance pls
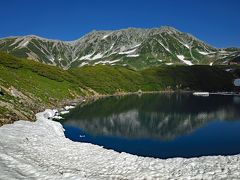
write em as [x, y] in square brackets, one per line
[64, 112]
[181, 57]
[69, 107]
[39, 150]
[57, 117]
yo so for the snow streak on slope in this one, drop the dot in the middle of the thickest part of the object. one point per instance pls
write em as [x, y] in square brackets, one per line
[132, 55]
[88, 56]
[164, 46]
[39, 150]
[105, 36]
[203, 53]
[157, 43]
[127, 52]
[181, 57]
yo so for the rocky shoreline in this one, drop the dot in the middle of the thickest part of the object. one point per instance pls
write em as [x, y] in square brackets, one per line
[26, 109]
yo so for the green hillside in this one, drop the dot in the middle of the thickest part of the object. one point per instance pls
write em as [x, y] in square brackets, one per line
[27, 86]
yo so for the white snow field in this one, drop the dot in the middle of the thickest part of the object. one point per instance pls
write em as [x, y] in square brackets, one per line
[39, 150]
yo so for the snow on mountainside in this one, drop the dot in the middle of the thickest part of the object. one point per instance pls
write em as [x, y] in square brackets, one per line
[134, 47]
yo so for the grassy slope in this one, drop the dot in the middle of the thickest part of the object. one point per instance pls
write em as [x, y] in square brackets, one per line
[41, 85]
[41, 80]
[199, 77]
[110, 79]
[44, 85]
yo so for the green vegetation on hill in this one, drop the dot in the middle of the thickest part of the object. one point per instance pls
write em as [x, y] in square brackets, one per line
[198, 77]
[111, 79]
[41, 80]
[27, 86]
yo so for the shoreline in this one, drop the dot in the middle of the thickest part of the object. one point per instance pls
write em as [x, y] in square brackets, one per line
[80, 100]
[40, 150]
[86, 99]
[9, 119]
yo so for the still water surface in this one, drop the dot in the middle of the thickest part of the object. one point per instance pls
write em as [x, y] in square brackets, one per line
[159, 125]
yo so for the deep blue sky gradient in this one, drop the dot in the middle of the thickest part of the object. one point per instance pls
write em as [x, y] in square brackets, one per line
[216, 22]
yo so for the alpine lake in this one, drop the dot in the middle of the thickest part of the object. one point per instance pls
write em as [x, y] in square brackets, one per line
[161, 125]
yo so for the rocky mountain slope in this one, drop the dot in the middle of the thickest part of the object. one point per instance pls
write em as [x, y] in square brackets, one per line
[137, 48]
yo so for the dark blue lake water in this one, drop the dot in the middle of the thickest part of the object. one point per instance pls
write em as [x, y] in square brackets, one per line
[159, 125]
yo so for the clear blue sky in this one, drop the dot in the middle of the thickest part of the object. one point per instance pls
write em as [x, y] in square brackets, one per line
[216, 22]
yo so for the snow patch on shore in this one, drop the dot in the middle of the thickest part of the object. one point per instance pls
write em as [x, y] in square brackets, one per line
[40, 150]
[69, 107]
[64, 112]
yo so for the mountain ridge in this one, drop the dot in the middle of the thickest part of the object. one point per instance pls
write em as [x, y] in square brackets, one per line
[135, 47]
[106, 30]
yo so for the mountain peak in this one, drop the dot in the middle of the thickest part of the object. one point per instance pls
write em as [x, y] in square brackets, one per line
[135, 47]
[169, 28]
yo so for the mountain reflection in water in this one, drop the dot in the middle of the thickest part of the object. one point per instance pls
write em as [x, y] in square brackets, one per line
[159, 125]
[162, 116]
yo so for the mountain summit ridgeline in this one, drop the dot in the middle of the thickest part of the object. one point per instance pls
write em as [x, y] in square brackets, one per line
[134, 47]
